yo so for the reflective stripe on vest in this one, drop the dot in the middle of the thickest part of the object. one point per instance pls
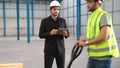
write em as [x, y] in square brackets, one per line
[102, 49]
[109, 36]
[95, 24]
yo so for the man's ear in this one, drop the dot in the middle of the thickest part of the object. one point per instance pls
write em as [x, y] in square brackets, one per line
[98, 3]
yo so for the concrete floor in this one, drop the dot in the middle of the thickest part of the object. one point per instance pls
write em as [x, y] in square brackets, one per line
[31, 54]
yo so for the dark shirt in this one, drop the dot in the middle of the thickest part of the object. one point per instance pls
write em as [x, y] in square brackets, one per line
[53, 43]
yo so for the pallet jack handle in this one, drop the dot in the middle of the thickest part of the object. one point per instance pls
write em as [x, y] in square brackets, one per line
[76, 51]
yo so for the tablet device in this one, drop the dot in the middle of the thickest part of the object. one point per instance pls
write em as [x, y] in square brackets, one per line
[61, 29]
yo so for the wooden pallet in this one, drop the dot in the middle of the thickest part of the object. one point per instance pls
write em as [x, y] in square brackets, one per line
[12, 65]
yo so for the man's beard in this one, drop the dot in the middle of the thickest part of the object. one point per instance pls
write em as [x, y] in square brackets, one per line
[55, 15]
[91, 10]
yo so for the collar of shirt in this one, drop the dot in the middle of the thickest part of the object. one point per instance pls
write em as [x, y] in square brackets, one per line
[53, 19]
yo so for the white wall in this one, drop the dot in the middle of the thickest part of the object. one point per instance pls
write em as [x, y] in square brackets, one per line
[40, 10]
[11, 20]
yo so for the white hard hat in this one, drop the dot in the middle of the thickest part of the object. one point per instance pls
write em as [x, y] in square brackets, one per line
[54, 3]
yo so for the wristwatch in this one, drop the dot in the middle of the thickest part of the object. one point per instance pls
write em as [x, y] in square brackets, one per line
[86, 43]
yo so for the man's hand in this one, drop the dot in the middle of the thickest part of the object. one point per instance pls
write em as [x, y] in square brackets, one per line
[79, 43]
[53, 32]
[64, 33]
[76, 43]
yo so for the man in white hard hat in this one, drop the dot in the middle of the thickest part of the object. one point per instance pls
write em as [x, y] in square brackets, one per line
[54, 29]
[100, 38]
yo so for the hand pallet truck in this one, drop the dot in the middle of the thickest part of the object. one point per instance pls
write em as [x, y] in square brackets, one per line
[76, 51]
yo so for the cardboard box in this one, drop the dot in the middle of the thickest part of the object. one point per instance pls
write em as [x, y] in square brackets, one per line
[12, 65]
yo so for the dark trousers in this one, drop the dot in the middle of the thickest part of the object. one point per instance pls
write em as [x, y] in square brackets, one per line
[49, 58]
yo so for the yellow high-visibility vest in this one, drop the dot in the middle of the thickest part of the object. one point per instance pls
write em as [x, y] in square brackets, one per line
[106, 48]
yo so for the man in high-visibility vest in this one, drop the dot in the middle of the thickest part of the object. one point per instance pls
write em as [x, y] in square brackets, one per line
[100, 39]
